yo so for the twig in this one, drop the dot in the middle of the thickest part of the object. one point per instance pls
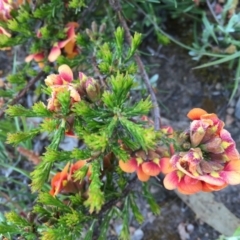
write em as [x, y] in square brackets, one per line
[114, 201]
[86, 11]
[97, 72]
[24, 91]
[156, 111]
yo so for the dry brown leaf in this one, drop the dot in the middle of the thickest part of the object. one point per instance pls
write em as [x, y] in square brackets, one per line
[30, 155]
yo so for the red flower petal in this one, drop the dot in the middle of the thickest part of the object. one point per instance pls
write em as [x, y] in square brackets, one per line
[196, 113]
[206, 187]
[229, 145]
[54, 54]
[171, 180]
[151, 168]
[130, 166]
[65, 73]
[29, 58]
[58, 180]
[141, 175]
[231, 172]
[166, 166]
[218, 181]
[38, 57]
[189, 185]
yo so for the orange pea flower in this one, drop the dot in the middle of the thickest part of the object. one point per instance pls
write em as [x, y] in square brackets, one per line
[133, 165]
[59, 83]
[59, 181]
[212, 160]
[69, 44]
[38, 57]
[63, 182]
[153, 162]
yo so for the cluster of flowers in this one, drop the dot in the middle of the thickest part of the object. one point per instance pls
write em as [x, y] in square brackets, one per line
[205, 157]
[149, 164]
[87, 87]
[64, 181]
[68, 45]
[208, 159]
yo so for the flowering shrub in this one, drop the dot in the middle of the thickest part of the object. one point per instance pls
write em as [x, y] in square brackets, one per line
[90, 74]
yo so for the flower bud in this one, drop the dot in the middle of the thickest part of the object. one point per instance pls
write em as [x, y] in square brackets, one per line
[94, 27]
[92, 89]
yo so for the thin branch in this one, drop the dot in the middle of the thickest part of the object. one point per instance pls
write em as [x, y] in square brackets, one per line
[115, 4]
[113, 202]
[86, 11]
[23, 91]
[97, 72]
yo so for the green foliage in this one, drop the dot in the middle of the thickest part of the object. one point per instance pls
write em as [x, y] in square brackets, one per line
[81, 173]
[41, 172]
[138, 216]
[105, 224]
[77, 4]
[15, 219]
[16, 138]
[150, 199]
[96, 142]
[6, 93]
[125, 234]
[48, 200]
[18, 110]
[49, 10]
[64, 100]
[49, 125]
[80, 154]
[144, 137]
[96, 196]
[40, 110]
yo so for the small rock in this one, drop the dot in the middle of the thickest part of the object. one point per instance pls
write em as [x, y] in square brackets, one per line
[68, 143]
[150, 217]
[229, 120]
[190, 228]
[184, 235]
[232, 103]
[138, 235]
[230, 110]
[118, 228]
[218, 86]
[237, 110]
[132, 230]
[154, 189]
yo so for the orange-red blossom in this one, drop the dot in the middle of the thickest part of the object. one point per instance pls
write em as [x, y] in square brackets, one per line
[63, 182]
[208, 159]
[212, 160]
[149, 164]
[59, 83]
[68, 45]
